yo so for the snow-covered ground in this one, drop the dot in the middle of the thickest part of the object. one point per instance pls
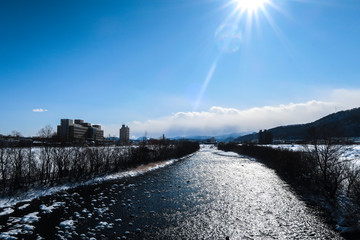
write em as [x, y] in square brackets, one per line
[351, 152]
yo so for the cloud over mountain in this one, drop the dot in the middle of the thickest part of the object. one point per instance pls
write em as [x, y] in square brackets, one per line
[221, 120]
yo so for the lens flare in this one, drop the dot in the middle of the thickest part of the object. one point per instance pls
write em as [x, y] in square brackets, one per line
[228, 38]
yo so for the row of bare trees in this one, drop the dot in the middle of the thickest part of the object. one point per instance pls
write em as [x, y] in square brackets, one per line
[24, 168]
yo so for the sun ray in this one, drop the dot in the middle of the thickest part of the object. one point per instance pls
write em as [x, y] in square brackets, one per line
[205, 85]
[280, 35]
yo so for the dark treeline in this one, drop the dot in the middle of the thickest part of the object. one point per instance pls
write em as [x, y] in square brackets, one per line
[27, 167]
[319, 174]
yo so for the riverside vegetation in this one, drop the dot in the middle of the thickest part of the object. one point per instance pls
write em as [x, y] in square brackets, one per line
[318, 174]
[24, 168]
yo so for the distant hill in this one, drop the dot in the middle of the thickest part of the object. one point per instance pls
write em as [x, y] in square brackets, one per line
[224, 138]
[194, 138]
[229, 137]
[346, 122]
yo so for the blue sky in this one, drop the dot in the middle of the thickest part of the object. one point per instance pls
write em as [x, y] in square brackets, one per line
[165, 66]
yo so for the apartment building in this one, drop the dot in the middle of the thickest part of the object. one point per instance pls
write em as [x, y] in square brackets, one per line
[79, 131]
[124, 134]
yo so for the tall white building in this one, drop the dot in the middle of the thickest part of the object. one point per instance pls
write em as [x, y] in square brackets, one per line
[124, 134]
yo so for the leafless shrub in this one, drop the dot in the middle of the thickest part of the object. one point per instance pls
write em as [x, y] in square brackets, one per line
[21, 168]
[325, 153]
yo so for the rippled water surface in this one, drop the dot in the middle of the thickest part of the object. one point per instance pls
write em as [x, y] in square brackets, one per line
[211, 195]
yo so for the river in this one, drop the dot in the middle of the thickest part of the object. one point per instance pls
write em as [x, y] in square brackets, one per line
[210, 195]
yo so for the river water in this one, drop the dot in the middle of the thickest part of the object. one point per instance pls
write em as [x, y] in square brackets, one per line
[210, 195]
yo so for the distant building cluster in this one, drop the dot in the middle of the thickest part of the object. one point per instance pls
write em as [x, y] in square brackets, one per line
[15, 141]
[69, 132]
[124, 134]
[79, 131]
[265, 137]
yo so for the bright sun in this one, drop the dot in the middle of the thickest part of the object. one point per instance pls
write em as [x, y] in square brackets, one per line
[250, 5]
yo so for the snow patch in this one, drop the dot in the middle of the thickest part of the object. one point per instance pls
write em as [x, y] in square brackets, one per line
[30, 218]
[9, 235]
[28, 227]
[67, 224]
[49, 209]
[6, 211]
[24, 206]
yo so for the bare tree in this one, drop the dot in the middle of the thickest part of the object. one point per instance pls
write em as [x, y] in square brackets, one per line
[353, 188]
[16, 134]
[4, 166]
[18, 168]
[326, 154]
[46, 132]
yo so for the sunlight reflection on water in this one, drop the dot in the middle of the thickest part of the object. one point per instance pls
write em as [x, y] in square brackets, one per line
[239, 198]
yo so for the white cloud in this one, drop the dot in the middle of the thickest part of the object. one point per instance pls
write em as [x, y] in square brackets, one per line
[347, 98]
[219, 120]
[39, 110]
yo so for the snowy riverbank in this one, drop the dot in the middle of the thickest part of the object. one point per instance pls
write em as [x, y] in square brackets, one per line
[6, 203]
